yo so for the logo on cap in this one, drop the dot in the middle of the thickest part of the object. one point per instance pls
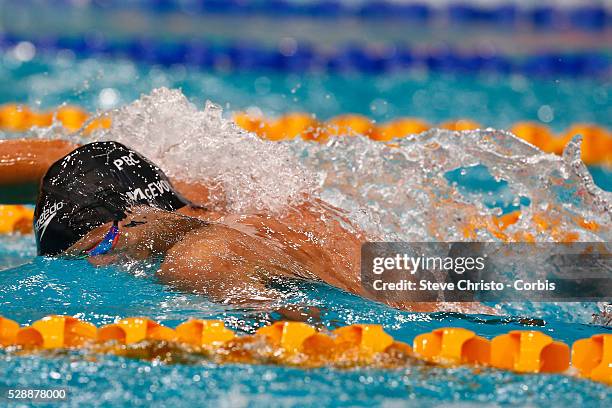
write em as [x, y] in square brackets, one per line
[46, 216]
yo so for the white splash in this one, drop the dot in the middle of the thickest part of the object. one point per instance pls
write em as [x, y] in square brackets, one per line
[201, 145]
[399, 192]
[392, 192]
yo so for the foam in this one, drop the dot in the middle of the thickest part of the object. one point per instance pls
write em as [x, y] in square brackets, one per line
[200, 145]
[401, 193]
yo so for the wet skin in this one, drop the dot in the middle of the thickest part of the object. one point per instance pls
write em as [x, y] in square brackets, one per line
[235, 259]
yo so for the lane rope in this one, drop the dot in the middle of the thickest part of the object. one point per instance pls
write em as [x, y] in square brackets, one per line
[596, 145]
[366, 58]
[510, 14]
[20, 219]
[299, 344]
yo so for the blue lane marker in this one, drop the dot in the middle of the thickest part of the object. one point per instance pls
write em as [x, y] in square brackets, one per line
[587, 17]
[348, 57]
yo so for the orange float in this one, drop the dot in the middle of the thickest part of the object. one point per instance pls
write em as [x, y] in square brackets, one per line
[593, 357]
[250, 123]
[56, 332]
[203, 333]
[299, 344]
[71, 117]
[102, 122]
[536, 134]
[8, 331]
[296, 124]
[529, 351]
[288, 335]
[349, 125]
[596, 150]
[15, 118]
[453, 346]
[460, 125]
[16, 218]
[398, 129]
[133, 330]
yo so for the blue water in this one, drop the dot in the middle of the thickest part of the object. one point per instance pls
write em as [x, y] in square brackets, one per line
[495, 101]
[40, 287]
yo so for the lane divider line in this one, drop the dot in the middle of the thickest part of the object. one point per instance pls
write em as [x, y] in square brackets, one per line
[299, 344]
[596, 146]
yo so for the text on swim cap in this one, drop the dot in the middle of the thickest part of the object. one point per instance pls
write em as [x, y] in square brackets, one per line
[128, 160]
[46, 216]
[154, 189]
[48, 212]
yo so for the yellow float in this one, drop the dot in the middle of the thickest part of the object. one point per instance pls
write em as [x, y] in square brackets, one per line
[16, 218]
[596, 146]
[299, 344]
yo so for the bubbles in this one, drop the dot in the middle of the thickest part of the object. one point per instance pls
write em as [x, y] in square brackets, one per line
[379, 107]
[288, 46]
[109, 98]
[262, 85]
[24, 51]
[546, 114]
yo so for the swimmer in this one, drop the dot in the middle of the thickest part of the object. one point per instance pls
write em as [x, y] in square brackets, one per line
[107, 203]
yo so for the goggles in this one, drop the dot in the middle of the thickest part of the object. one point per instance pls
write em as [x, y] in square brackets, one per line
[106, 244]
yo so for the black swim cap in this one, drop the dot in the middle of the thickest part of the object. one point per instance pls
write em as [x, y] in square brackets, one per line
[92, 185]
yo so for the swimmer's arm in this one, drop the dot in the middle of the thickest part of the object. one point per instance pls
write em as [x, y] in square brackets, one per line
[228, 287]
[229, 284]
[197, 193]
[187, 265]
[23, 163]
[148, 231]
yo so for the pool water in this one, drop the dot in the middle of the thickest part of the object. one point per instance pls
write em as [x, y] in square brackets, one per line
[40, 287]
[389, 193]
[493, 100]
[100, 295]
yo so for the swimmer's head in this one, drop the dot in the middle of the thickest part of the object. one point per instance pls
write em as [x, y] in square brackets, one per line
[92, 185]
